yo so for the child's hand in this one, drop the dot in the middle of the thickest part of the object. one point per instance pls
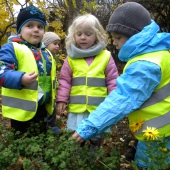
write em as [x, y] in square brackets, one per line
[61, 106]
[28, 78]
[78, 137]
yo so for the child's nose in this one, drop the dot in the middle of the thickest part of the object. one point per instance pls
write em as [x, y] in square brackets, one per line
[114, 42]
[35, 28]
[83, 36]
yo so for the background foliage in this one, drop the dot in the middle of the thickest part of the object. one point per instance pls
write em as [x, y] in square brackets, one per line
[60, 14]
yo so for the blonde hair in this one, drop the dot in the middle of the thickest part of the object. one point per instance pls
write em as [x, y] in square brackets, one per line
[91, 20]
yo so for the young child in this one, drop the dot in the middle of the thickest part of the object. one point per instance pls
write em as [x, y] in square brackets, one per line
[27, 73]
[88, 73]
[143, 91]
[53, 42]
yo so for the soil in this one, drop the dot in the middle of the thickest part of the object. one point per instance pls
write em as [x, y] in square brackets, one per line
[4, 121]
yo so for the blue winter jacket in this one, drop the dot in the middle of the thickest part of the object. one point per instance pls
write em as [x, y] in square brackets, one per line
[9, 76]
[134, 86]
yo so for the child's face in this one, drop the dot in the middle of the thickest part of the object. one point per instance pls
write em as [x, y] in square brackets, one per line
[85, 37]
[32, 32]
[119, 40]
[54, 46]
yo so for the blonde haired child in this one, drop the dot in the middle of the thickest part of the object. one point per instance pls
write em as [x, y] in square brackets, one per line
[88, 74]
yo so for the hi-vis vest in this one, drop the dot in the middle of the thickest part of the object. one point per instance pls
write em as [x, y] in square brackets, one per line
[22, 104]
[156, 110]
[88, 83]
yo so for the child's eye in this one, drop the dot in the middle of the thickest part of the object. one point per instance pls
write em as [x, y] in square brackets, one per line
[29, 25]
[118, 38]
[40, 26]
[57, 44]
[88, 33]
[78, 33]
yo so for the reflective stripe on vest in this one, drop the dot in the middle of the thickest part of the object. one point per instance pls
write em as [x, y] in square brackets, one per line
[19, 103]
[156, 110]
[156, 97]
[22, 104]
[33, 86]
[98, 82]
[88, 83]
[82, 100]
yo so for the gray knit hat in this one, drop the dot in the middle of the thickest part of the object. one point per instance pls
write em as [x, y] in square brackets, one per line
[128, 19]
[50, 37]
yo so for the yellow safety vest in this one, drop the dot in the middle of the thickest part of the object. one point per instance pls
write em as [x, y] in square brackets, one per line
[22, 104]
[88, 83]
[156, 110]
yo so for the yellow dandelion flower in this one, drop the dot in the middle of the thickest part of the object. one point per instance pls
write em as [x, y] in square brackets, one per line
[135, 126]
[151, 133]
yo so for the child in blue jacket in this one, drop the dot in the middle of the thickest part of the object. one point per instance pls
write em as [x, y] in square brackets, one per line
[27, 73]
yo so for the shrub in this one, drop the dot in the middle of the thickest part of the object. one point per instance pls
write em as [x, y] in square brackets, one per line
[51, 151]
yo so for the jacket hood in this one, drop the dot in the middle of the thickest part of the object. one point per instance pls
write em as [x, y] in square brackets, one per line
[146, 41]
